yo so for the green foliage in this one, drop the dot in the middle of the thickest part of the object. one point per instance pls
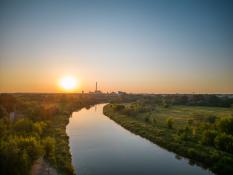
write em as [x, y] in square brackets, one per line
[224, 142]
[23, 127]
[39, 132]
[190, 122]
[39, 127]
[17, 154]
[4, 128]
[49, 149]
[42, 132]
[226, 125]
[224, 165]
[185, 134]
[169, 122]
[208, 137]
[119, 107]
[200, 133]
[211, 119]
[3, 112]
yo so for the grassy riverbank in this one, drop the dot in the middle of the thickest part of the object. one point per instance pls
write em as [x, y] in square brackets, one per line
[184, 130]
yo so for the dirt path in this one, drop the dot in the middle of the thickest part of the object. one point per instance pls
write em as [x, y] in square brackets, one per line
[41, 167]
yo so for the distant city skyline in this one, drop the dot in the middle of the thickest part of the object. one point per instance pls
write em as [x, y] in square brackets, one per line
[138, 46]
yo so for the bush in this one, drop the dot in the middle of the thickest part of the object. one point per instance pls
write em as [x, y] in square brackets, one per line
[170, 122]
[224, 166]
[190, 122]
[23, 126]
[49, 149]
[224, 142]
[185, 134]
[226, 125]
[39, 127]
[119, 107]
[211, 119]
[208, 137]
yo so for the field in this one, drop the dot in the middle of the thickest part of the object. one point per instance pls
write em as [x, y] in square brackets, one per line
[182, 114]
[190, 131]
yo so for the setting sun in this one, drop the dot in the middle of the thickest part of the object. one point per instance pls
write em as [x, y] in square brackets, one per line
[68, 83]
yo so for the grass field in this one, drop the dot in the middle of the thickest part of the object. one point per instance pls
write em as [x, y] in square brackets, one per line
[189, 123]
[182, 114]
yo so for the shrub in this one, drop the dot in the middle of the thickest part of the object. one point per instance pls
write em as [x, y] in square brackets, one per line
[190, 122]
[226, 125]
[224, 166]
[169, 122]
[211, 119]
[208, 137]
[23, 126]
[39, 127]
[224, 142]
[49, 149]
[119, 107]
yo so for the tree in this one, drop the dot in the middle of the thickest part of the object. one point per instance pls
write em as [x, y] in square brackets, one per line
[30, 145]
[23, 126]
[39, 127]
[17, 154]
[208, 137]
[49, 149]
[3, 112]
[226, 125]
[224, 142]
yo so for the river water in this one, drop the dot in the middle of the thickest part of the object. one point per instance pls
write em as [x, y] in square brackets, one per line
[99, 146]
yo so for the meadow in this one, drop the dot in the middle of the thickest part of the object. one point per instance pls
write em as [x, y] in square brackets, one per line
[203, 134]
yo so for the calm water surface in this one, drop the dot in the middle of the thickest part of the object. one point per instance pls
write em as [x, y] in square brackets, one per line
[100, 146]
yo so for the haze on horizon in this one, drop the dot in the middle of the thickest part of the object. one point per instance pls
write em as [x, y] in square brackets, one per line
[130, 45]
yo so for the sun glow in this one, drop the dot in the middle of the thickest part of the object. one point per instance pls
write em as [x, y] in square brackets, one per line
[68, 83]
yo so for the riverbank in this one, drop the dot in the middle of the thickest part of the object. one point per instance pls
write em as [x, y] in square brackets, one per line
[217, 161]
[34, 127]
[93, 137]
[62, 156]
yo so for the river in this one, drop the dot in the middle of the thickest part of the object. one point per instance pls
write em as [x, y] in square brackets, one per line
[99, 146]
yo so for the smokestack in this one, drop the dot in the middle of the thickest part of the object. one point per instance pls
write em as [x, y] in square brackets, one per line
[96, 87]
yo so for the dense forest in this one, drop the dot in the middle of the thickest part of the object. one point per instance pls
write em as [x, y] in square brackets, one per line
[199, 127]
[34, 126]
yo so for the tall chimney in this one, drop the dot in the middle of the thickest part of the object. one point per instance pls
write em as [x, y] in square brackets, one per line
[96, 87]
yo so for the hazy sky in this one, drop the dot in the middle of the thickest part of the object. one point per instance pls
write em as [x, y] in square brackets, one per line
[164, 46]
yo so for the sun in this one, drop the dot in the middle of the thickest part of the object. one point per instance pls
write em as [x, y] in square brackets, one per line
[68, 83]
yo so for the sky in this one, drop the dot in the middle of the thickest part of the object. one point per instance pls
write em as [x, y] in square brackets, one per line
[139, 46]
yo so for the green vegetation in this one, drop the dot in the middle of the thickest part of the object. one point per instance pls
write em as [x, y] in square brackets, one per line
[201, 133]
[169, 122]
[38, 129]
[195, 126]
